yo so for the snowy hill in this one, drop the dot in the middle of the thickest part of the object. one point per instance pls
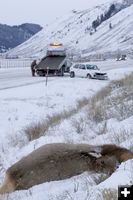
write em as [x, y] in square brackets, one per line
[76, 32]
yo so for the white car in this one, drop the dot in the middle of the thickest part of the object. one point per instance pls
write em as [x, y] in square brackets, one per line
[87, 70]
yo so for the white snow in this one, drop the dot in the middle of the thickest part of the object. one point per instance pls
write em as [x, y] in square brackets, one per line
[25, 100]
[23, 105]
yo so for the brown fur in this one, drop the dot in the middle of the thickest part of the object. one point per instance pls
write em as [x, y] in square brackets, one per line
[8, 185]
[121, 154]
[49, 162]
[59, 161]
[107, 164]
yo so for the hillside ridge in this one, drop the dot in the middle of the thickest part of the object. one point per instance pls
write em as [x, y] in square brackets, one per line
[11, 36]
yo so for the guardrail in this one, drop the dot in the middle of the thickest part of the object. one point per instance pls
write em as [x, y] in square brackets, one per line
[14, 63]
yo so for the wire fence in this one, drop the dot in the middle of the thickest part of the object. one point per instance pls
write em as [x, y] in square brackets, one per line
[15, 63]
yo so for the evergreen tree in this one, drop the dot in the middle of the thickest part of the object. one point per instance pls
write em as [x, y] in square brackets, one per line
[111, 11]
[101, 18]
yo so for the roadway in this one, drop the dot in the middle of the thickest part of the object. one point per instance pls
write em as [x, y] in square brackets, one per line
[18, 77]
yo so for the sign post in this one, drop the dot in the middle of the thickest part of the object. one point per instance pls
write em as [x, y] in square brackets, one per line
[47, 76]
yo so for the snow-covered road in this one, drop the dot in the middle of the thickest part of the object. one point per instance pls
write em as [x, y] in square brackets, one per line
[16, 77]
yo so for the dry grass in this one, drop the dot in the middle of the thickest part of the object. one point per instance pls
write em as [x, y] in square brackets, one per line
[127, 81]
[79, 125]
[113, 101]
[110, 194]
[121, 136]
[99, 178]
[102, 129]
[81, 103]
[36, 130]
[17, 140]
[97, 111]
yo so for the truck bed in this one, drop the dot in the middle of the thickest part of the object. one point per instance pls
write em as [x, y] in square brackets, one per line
[51, 62]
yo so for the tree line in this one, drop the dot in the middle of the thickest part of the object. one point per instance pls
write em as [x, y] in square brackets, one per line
[103, 17]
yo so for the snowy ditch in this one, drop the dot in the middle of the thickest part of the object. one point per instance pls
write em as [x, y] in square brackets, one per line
[22, 107]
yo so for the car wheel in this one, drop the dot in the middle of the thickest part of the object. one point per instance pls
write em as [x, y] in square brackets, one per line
[72, 74]
[89, 76]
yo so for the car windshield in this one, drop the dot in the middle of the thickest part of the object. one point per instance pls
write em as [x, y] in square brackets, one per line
[93, 67]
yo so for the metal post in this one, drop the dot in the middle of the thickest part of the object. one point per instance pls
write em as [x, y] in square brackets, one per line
[47, 76]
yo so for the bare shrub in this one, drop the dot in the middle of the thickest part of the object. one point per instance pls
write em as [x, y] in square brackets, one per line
[57, 118]
[99, 178]
[79, 124]
[108, 104]
[103, 93]
[97, 111]
[81, 103]
[17, 140]
[102, 129]
[76, 187]
[36, 130]
[64, 196]
[120, 105]
[121, 136]
[110, 194]
[97, 105]
[101, 107]
[127, 81]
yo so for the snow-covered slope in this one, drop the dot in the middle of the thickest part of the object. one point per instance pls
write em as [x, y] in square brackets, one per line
[74, 31]
[23, 107]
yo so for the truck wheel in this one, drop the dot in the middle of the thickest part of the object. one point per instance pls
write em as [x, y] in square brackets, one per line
[88, 76]
[72, 74]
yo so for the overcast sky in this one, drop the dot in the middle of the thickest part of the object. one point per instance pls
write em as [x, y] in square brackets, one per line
[15, 12]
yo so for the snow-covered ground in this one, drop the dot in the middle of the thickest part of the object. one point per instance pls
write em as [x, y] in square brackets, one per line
[28, 100]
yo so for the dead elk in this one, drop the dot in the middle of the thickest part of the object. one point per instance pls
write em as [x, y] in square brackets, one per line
[49, 162]
[60, 161]
[121, 154]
